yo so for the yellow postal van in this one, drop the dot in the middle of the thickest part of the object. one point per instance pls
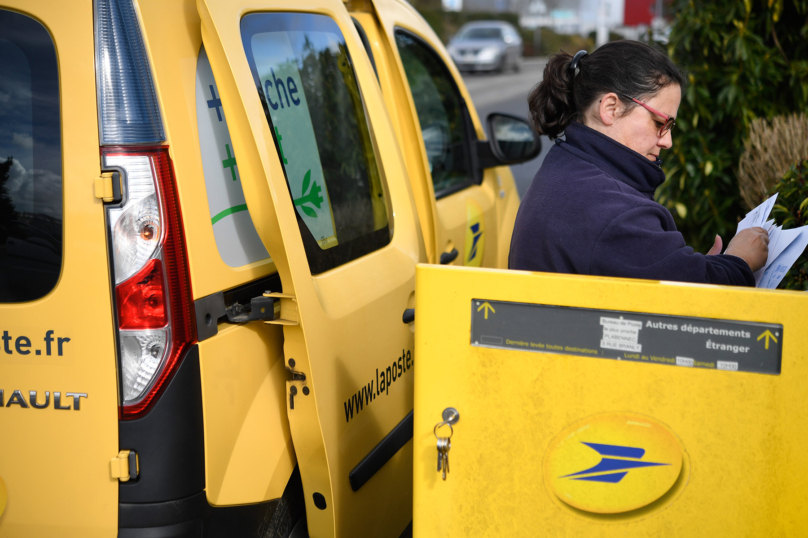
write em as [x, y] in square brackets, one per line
[210, 218]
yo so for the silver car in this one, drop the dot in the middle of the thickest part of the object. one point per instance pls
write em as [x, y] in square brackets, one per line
[487, 46]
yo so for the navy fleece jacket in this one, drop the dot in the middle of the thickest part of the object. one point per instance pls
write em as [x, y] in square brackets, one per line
[590, 210]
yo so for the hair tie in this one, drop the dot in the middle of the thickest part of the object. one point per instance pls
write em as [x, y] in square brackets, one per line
[577, 59]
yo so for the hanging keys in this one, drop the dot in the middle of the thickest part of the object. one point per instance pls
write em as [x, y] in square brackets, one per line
[450, 416]
[444, 444]
[440, 453]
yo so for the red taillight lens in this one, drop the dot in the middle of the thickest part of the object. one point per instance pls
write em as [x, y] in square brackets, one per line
[155, 308]
[142, 299]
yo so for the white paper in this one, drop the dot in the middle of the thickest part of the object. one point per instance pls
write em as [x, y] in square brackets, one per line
[758, 216]
[775, 248]
[795, 242]
[785, 246]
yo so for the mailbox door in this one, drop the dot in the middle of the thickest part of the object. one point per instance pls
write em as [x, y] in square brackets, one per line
[608, 407]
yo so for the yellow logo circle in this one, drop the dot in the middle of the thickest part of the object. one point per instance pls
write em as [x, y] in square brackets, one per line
[3, 496]
[613, 463]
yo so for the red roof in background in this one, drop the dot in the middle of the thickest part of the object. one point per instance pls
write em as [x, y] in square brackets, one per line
[638, 12]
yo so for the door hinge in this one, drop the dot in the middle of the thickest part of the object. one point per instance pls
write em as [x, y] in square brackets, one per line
[108, 187]
[125, 466]
[288, 312]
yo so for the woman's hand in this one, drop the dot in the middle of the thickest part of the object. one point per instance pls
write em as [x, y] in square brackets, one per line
[717, 246]
[751, 245]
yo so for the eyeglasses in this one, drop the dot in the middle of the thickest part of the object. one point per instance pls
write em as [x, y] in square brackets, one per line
[670, 121]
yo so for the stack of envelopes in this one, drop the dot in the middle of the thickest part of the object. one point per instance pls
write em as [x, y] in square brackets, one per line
[785, 246]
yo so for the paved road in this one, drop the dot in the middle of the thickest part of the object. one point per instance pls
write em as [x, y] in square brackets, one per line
[507, 93]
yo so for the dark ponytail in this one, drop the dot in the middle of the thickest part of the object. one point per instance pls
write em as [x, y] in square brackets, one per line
[627, 68]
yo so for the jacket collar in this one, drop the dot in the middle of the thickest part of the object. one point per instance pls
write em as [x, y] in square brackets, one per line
[614, 158]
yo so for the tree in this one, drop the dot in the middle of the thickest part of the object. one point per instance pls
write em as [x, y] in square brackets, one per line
[7, 211]
[746, 59]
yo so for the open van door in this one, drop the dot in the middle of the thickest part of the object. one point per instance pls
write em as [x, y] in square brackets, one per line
[608, 407]
[326, 190]
[467, 206]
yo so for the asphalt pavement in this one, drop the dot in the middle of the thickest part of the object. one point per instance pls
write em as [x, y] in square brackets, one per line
[507, 92]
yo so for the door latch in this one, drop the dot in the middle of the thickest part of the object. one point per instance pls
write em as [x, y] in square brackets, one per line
[125, 466]
[260, 309]
[288, 310]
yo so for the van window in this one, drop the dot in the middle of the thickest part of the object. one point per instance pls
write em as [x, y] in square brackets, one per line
[313, 104]
[236, 238]
[30, 161]
[440, 113]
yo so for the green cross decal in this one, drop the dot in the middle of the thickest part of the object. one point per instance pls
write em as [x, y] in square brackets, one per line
[230, 162]
[278, 135]
[312, 197]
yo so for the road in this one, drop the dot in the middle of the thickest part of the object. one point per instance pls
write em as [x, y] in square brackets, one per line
[507, 93]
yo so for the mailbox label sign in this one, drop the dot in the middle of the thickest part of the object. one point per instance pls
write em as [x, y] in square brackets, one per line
[684, 342]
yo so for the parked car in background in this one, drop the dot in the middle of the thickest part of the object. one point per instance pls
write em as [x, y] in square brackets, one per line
[487, 46]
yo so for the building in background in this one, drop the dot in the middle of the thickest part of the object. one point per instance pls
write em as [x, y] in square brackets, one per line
[630, 18]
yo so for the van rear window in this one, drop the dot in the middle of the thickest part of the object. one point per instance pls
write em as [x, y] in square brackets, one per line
[30, 161]
[313, 105]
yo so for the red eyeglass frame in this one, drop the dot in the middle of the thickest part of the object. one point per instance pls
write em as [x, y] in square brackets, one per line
[670, 122]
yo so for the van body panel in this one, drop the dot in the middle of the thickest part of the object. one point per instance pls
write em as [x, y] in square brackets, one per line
[507, 208]
[348, 319]
[248, 445]
[56, 463]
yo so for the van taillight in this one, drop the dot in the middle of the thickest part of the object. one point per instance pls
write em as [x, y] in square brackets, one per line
[152, 288]
[142, 299]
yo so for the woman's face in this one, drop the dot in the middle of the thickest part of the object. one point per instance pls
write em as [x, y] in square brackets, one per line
[639, 128]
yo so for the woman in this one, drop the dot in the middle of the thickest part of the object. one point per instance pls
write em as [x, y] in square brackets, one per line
[591, 209]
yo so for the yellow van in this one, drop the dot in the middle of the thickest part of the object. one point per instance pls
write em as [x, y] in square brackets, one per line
[210, 216]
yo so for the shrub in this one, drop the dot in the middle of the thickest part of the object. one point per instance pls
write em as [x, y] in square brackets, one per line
[769, 151]
[790, 212]
[552, 43]
[746, 59]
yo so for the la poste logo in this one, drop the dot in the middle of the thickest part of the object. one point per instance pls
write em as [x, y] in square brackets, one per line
[613, 463]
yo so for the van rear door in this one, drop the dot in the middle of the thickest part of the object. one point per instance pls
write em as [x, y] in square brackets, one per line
[58, 386]
[327, 191]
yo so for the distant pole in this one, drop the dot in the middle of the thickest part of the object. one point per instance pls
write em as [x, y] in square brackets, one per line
[602, 34]
[537, 41]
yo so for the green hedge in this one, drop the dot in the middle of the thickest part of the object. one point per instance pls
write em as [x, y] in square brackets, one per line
[552, 43]
[746, 59]
[790, 212]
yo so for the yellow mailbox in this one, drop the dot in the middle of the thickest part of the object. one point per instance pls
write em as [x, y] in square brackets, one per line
[586, 406]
